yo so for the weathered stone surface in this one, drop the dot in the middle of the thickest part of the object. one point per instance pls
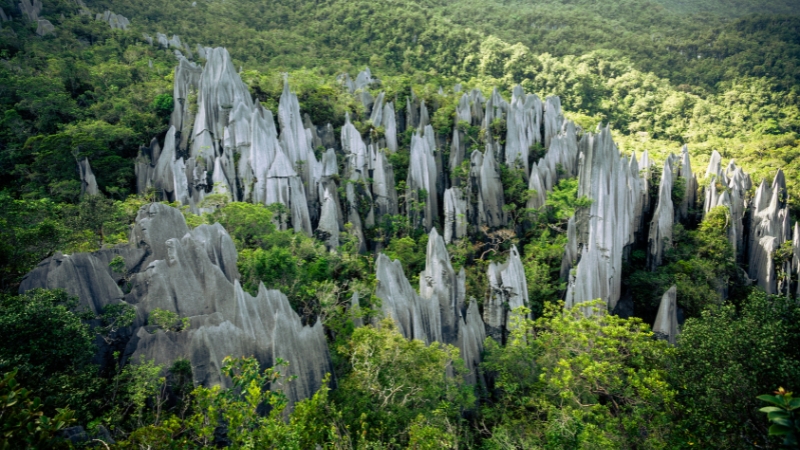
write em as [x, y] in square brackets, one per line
[660, 238]
[553, 119]
[192, 273]
[330, 217]
[455, 215]
[603, 229]
[492, 199]
[416, 319]
[438, 284]
[690, 181]
[666, 324]
[471, 335]
[297, 143]
[363, 79]
[115, 21]
[390, 126]
[44, 27]
[285, 186]
[88, 181]
[383, 188]
[509, 291]
[82, 275]
[256, 160]
[523, 126]
[30, 9]
[422, 179]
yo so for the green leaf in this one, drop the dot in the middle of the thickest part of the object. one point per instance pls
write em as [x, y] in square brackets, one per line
[769, 409]
[778, 430]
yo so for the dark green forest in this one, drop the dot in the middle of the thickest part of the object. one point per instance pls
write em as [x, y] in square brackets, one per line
[715, 75]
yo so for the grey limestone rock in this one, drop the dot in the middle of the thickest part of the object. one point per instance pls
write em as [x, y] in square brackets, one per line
[383, 188]
[523, 126]
[175, 42]
[439, 284]
[44, 27]
[162, 40]
[88, 180]
[660, 238]
[666, 324]
[285, 186]
[422, 179]
[30, 9]
[690, 181]
[491, 200]
[115, 21]
[330, 217]
[82, 275]
[471, 335]
[187, 80]
[509, 291]
[769, 228]
[604, 228]
[363, 79]
[390, 126]
[3, 17]
[296, 141]
[192, 273]
[553, 119]
[416, 318]
[155, 224]
[264, 146]
[455, 215]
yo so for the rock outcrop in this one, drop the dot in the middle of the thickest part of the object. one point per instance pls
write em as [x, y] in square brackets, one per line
[88, 180]
[509, 291]
[115, 21]
[660, 238]
[666, 324]
[192, 273]
[604, 228]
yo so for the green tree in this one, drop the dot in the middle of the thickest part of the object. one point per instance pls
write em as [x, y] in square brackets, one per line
[724, 358]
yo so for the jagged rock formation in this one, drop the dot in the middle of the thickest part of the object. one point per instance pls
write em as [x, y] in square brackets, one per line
[439, 313]
[421, 195]
[455, 215]
[509, 291]
[666, 324]
[115, 21]
[88, 181]
[603, 230]
[278, 164]
[690, 182]
[660, 238]
[192, 273]
[416, 319]
[769, 219]
[44, 27]
[30, 9]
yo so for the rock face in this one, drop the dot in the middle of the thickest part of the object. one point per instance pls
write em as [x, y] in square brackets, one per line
[660, 238]
[192, 273]
[666, 324]
[88, 181]
[509, 290]
[115, 21]
[439, 313]
[607, 226]
[421, 191]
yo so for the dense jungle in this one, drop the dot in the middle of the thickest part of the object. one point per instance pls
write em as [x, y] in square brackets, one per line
[328, 224]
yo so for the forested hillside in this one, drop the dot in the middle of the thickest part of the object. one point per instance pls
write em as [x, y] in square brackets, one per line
[410, 224]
